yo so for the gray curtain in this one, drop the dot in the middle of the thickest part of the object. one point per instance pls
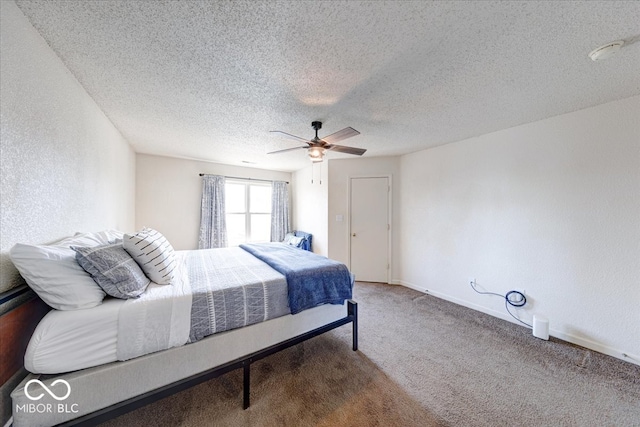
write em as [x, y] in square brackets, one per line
[279, 211]
[213, 225]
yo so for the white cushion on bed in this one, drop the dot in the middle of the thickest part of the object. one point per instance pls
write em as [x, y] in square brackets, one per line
[103, 237]
[54, 274]
[296, 241]
[153, 252]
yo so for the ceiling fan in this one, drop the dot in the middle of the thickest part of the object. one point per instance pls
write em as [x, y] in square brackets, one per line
[316, 147]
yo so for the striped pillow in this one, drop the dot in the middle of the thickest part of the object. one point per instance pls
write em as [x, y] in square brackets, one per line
[153, 253]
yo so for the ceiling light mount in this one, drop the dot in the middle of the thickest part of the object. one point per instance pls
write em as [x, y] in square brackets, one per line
[605, 51]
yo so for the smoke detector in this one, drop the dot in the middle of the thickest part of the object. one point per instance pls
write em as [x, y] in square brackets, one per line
[603, 52]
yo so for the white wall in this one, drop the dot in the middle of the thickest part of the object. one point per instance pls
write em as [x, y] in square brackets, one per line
[310, 204]
[169, 192]
[340, 170]
[552, 207]
[65, 168]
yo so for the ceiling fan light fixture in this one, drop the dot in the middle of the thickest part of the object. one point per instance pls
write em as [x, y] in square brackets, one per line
[316, 154]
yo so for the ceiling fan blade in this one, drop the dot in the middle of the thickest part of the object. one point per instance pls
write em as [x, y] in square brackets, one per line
[287, 149]
[288, 135]
[340, 135]
[348, 150]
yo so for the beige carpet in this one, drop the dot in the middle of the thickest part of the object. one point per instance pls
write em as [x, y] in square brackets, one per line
[422, 362]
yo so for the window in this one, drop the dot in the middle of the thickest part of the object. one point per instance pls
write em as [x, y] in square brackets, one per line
[248, 207]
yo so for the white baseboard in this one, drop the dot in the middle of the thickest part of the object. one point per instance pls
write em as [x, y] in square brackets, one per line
[592, 345]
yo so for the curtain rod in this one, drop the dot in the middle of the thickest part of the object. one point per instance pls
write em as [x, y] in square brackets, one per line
[249, 179]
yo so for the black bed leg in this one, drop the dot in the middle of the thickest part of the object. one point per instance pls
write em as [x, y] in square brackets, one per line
[246, 384]
[352, 310]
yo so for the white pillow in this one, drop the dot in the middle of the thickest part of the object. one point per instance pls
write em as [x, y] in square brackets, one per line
[104, 237]
[54, 274]
[153, 253]
[296, 241]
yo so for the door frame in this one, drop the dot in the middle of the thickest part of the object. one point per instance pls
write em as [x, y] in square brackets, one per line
[350, 178]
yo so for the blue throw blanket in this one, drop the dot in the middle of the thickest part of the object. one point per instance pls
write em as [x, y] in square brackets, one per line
[312, 279]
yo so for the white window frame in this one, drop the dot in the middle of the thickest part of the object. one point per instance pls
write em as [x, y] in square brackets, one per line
[247, 204]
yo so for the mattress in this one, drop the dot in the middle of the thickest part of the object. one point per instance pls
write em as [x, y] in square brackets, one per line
[215, 290]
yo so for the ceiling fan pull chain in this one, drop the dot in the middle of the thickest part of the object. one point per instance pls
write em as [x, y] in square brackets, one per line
[313, 172]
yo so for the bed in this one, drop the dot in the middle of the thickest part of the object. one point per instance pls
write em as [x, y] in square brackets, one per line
[223, 310]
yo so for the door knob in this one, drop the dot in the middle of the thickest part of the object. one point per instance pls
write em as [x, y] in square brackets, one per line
[354, 234]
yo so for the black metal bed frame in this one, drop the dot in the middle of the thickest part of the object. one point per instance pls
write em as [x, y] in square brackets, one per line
[244, 362]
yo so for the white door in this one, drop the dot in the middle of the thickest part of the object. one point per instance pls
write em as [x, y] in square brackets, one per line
[369, 227]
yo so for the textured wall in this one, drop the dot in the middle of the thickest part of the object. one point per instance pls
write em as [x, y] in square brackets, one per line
[551, 207]
[169, 191]
[65, 168]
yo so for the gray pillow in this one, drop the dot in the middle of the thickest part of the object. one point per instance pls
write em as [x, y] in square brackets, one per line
[113, 269]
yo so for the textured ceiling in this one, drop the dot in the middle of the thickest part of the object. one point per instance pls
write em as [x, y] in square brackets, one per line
[209, 80]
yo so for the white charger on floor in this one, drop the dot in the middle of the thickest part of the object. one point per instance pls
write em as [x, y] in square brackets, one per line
[540, 327]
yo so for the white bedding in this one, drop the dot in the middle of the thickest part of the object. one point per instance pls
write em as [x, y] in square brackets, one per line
[160, 319]
[65, 341]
